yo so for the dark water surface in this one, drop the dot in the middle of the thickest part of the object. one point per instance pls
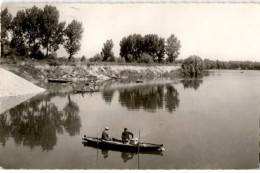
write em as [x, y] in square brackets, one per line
[209, 123]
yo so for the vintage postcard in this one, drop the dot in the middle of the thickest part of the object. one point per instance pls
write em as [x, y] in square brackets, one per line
[129, 86]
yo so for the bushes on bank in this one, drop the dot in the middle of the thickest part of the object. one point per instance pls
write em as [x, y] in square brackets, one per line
[193, 66]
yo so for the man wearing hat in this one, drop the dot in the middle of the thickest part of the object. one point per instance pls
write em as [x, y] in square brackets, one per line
[105, 135]
[125, 135]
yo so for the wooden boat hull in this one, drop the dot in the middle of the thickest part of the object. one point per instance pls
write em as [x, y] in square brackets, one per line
[58, 81]
[139, 81]
[119, 146]
[86, 91]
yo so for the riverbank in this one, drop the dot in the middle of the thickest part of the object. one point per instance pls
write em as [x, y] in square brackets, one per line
[40, 72]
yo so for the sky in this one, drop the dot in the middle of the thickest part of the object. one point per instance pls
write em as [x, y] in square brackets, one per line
[223, 31]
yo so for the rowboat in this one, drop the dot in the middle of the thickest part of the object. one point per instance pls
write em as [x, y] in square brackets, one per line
[116, 144]
[86, 91]
[139, 81]
[59, 80]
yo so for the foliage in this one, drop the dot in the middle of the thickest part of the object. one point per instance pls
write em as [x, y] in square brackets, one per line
[133, 46]
[106, 53]
[73, 34]
[35, 29]
[145, 58]
[6, 19]
[96, 58]
[83, 58]
[52, 30]
[193, 66]
[172, 48]
[243, 65]
[154, 46]
[120, 60]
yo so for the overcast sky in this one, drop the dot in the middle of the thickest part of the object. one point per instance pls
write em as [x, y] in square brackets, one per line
[215, 31]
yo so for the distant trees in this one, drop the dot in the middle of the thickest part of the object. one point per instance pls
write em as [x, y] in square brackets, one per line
[73, 34]
[193, 66]
[243, 65]
[107, 53]
[133, 47]
[36, 30]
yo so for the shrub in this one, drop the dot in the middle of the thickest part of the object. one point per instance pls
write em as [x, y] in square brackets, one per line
[54, 62]
[145, 58]
[193, 66]
[111, 59]
[52, 56]
[96, 58]
[83, 58]
[120, 60]
[129, 58]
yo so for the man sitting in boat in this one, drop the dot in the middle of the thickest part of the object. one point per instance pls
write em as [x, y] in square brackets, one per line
[125, 135]
[105, 134]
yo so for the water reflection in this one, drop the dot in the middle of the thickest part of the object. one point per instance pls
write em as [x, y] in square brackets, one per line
[36, 122]
[194, 83]
[125, 156]
[72, 122]
[107, 95]
[150, 97]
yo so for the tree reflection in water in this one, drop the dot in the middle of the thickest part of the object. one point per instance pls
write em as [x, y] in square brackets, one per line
[36, 122]
[72, 123]
[171, 98]
[150, 97]
[195, 83]
[107, 95]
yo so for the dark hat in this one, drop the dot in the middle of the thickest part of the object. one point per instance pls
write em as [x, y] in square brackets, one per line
[125, 128]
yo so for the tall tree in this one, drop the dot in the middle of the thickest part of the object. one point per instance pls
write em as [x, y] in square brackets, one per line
[26, 28]
[73, 34]
[32, 26]
[126, 47]
[52, 30]
[154, 46]
[18, 41]
[107, 52]
[6, 20]
[172, 48]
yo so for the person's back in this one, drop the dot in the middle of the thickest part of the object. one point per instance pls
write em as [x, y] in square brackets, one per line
[105, 135]
[125, 135]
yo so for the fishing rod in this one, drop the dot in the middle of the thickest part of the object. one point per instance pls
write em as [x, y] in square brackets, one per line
[139, 150]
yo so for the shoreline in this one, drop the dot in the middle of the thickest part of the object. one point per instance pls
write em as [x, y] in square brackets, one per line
[38, 72]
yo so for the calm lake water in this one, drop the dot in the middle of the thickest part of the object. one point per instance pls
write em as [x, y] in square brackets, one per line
[209, 123]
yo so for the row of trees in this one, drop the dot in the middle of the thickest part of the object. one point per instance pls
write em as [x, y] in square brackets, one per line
[244, 65]
[136, 48]
[34, 30]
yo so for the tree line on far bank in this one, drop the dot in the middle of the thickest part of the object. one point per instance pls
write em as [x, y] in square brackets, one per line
[34, 31]
[194, 66]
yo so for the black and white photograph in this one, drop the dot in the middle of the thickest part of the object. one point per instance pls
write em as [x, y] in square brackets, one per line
[129, 86]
